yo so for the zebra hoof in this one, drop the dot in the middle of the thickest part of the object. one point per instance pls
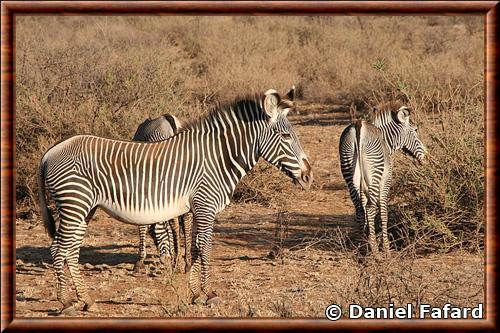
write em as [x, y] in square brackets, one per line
[197, 300]
[187, 268]
[139, 266]
[78, 305]
[163, 259]
[69, 311]
[90, 306]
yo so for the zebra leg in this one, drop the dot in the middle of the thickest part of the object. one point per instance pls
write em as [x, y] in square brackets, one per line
[174, 225]
[187, 220]
[58, 260]
[205, 226]
[168, 245]
[74, 269]
[139, 264]
[162, 236]
[384, 218]
[371, 212]
[160, 232]
[63, 248]
[194, 276]
[206, 285]
[361, 224]
[384, 194]
[357, 200]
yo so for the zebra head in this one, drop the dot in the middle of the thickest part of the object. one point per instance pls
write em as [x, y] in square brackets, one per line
[280, 145]
[409, 143]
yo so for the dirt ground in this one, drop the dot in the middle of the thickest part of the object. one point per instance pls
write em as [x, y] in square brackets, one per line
[313, 272]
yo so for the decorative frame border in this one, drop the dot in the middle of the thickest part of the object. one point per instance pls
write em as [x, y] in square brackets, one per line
[9, 9]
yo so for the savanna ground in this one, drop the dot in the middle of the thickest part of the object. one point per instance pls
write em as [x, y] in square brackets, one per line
[278, 251]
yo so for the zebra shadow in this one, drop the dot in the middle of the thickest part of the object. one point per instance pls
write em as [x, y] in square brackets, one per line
[292, 231]
[110, 254]
[335, 186]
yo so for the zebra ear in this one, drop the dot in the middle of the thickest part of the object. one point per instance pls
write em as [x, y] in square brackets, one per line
[403, 115]
[270, 103]
[290, 95]
[285, 106]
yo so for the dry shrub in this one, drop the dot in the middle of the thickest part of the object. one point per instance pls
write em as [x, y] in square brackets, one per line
[386, 281]
[404, 278]
[264, 185]
[280, 235]
[440, 205]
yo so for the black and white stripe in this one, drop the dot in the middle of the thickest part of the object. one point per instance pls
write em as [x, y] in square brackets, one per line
[144, 183]
[365, 159]
[165, 235]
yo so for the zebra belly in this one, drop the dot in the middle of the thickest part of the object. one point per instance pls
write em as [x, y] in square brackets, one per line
[147, 216]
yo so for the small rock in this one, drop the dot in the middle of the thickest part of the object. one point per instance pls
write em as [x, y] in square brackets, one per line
[88, 266]
[20, 296]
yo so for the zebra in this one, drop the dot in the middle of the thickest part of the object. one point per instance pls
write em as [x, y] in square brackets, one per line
[163, 234]
[365, 151]
[140, 183]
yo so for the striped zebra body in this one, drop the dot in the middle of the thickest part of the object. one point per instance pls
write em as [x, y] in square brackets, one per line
[145, 183]
[365, 150]
[164, 234]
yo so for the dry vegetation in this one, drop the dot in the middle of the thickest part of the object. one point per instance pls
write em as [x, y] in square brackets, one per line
[104, 75]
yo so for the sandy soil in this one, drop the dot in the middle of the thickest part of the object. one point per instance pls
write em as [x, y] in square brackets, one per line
[312, 273]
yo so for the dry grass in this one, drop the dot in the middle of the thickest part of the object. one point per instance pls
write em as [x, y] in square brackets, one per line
[300, 283]
[104, 75]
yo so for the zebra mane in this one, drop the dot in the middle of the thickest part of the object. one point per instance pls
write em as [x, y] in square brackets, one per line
[381, 112]
[237, 105]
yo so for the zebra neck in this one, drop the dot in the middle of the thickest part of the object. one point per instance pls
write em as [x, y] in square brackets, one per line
[390, 131]
[232, 141]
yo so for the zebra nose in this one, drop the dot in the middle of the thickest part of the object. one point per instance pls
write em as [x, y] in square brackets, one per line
[307, 175]
[306, 178]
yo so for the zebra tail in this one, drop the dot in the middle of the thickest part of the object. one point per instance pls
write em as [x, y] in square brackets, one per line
[360, 158]
[48, 219]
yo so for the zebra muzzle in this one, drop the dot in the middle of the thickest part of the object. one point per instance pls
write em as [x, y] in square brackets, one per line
[305, 180]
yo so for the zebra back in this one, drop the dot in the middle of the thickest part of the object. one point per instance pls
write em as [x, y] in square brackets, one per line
[158, 129]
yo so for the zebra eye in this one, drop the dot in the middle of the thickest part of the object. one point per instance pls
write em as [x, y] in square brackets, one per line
[286, 136]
